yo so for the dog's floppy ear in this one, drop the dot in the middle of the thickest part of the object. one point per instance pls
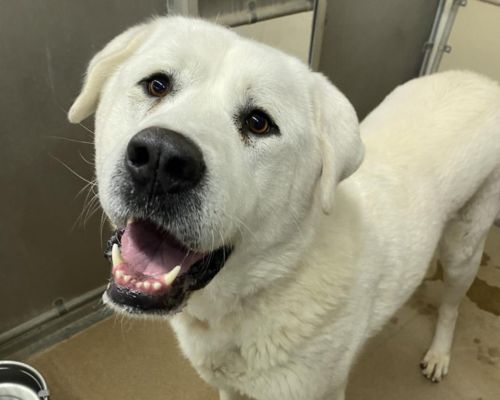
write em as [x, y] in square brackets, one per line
[101, 67]
[338, 130]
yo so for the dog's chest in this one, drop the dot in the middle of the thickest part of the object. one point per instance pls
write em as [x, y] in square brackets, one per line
[264, 363]
[216, 352]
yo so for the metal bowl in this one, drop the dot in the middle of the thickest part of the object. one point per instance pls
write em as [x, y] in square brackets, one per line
[19, 381]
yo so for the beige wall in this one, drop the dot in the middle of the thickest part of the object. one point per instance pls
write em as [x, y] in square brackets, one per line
[475, 40]
[291, 34]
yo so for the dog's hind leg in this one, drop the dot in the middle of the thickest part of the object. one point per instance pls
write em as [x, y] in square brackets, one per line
[460, 252]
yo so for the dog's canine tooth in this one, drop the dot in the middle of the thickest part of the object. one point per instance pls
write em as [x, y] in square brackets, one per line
[170, 277]
[116, 255]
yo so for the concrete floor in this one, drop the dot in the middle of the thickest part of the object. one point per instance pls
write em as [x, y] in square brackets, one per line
[128, 359]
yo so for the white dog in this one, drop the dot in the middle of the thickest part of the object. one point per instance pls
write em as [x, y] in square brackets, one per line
[223, 164]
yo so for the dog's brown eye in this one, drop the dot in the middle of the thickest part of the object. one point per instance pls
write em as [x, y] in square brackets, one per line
[258, 123]
[158, 85]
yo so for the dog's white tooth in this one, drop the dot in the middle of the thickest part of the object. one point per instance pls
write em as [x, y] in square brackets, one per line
[146, 285]
[126, 278]
[138, 285]
[170, 277]
[116, 255]
[130, 221]
[119, 274]
[156, 286]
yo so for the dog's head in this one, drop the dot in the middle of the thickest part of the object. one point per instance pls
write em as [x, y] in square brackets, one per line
[211, 150]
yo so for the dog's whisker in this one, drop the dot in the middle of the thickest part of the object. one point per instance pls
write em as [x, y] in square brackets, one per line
[90, 191]
[86, 203]
[89, 202]
[88, 130]
[69, 168]
[239, 223]
[65, 112]
[89, 198]
[213, 240]
[94, 206]
[85, 160]
[89, 186]
[66, 139]
[101, 226]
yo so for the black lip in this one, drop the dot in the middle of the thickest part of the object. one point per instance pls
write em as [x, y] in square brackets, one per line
[197, 277]
[135, 302]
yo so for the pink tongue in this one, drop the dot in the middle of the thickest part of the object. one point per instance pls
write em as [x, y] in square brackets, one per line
[150, 252]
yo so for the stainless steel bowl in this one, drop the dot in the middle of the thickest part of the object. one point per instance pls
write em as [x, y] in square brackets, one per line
[19, 381]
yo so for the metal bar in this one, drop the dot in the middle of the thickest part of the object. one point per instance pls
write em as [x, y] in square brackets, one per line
[55, 331]
[249, 14]
[494, 2]
[444, 47]
[258, 14]
[318, 28]
[51, 315]
[183, 7]
[429, 45]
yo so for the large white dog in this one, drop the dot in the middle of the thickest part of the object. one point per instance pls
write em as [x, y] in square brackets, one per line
[223, 164]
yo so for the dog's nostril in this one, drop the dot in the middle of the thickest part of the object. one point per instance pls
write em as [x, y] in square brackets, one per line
[180, 168]
[138, 155]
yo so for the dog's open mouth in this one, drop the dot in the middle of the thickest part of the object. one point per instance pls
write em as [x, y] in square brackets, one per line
[153, 272]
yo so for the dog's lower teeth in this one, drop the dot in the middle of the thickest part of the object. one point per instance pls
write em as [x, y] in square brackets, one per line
[122, 278]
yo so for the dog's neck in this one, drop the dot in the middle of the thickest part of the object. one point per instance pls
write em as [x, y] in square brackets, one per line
[283, 268]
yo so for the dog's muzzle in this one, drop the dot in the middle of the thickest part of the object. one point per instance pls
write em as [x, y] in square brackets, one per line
[156, 262]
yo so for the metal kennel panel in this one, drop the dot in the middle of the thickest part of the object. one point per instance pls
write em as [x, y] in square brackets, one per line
[369, 47]
[49, 263]
[238, 12]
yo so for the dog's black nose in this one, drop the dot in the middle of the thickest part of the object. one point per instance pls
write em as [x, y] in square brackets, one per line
[164, 156]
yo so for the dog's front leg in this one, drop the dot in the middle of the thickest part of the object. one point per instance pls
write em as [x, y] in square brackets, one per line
[230, 395]
[336, 394]
[341, 392]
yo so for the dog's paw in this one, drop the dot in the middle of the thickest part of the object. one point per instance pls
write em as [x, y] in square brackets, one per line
[435, 365]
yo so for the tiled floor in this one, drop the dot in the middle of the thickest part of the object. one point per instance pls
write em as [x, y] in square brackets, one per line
[123, 359]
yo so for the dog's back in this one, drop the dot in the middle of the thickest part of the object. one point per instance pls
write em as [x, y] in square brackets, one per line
[441, 133]
[439, 138]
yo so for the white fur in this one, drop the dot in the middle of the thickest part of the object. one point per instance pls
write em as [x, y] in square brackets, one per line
[303, 290]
